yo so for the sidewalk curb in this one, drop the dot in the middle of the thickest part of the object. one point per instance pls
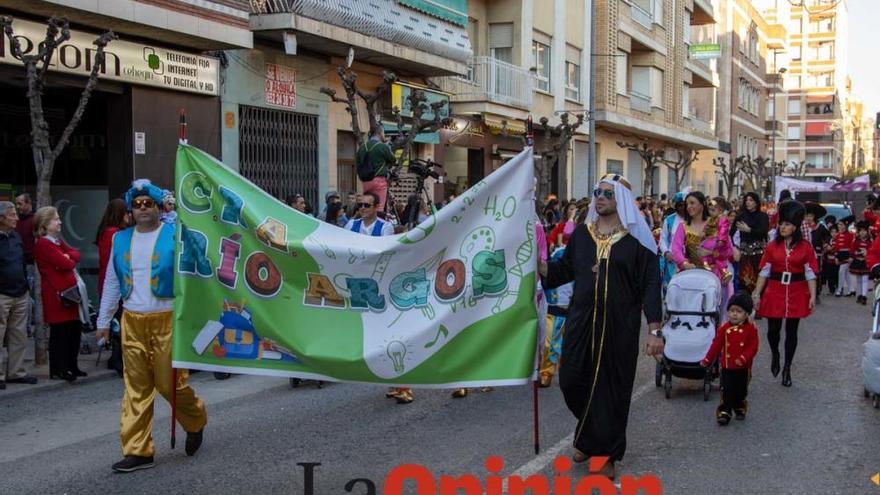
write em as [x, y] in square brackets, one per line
[14, 390]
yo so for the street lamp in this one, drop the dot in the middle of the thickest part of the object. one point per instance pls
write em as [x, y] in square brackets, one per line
[781, 71]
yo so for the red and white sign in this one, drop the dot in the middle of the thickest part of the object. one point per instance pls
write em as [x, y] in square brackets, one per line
[280, 86]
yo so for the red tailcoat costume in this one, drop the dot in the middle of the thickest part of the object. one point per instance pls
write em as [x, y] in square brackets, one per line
[874, 254]
[787, 294]
[840, 246]
[858, 250]
[734, 342]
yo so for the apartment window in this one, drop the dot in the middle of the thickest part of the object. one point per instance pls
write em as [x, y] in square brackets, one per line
[614, 167]
[819, 160]
[770, 109]
[501, 41]
[823, 51]
[686, 30]
[622, 64]
[820, 108]
[572, 73]
[796, 26]
[686, 101]
[796, 53]
[794, 133]
[825, 25]
[572, 81]
[656, 87]
[792, 82]
[821, 79]
[541, 61]
[753, 46]
[794, 107]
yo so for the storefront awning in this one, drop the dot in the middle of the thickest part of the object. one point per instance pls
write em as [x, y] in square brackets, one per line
[496, 123]
[820, 99]
[425, 137]
[818, 128]
[454, 11]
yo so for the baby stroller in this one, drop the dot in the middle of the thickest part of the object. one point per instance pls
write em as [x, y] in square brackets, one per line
[692, 301]
[871, 356]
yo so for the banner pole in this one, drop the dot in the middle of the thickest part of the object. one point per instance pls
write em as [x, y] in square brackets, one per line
[537, 430]
[173, 406]
[181, 135]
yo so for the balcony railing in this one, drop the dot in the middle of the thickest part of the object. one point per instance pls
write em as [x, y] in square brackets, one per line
[490, 79]
[640, 102]
[700, 125]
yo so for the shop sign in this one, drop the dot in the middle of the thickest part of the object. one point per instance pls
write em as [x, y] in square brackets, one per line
[704, 51]
[280, 86]
[400, 92]
[127, 62]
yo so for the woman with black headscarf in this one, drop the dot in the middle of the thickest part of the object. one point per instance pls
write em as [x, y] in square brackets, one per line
[753, 226]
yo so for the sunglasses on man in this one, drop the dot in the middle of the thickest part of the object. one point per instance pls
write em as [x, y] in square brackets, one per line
[365, 205]
[608, 193]
[139, 203]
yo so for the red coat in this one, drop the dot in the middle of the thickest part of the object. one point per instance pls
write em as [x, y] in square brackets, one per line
[56, 275]
[105, 244]
[874, 254]
[841, 244]
[858, 251]
[792, 300]
[732, 343]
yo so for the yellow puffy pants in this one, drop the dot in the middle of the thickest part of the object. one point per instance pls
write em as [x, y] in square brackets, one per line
[146, 352]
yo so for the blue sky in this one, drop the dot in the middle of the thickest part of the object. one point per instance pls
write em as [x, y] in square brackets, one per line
[864, 41]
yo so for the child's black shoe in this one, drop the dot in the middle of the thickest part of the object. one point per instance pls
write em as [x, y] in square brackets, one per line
[740, 414]
[723, 418]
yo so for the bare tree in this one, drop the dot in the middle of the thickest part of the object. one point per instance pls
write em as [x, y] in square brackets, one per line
[729, 172]
[758, 172]
[797, 170]
[349, 77]
[555, 149]
[36, 66]
[681, 166]
[651, 158]
[417, 102]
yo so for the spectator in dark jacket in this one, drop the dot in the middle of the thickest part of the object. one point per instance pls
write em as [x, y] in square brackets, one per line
[14, 300]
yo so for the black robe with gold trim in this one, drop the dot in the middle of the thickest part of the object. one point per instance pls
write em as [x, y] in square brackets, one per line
[600, 348]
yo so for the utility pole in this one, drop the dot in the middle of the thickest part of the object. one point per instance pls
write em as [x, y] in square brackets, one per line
[592, 104]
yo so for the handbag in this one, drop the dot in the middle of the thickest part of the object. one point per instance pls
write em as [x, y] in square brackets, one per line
[70, 296]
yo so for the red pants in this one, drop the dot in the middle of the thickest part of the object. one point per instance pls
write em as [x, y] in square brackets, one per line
[379, 186]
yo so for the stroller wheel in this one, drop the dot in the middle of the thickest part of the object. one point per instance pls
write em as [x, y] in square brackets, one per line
[294, 382]
[219, 375]
[707, 389]
[667, 385]
[658, 374]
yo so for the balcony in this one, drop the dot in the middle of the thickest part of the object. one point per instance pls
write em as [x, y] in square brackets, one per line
[700, 125]
[640, 102]
[769, 127]
[382, 31]
[704, 76]
[492, 80]
[703, 12]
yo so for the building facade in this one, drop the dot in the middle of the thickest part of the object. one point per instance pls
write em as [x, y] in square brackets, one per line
[815, 82]
[165, 59]
[531, 58]
[647, 76]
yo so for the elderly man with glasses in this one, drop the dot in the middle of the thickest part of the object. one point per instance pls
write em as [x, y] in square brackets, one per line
[141, 274]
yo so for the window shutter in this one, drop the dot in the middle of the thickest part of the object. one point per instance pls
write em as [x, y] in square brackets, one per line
[501, 35]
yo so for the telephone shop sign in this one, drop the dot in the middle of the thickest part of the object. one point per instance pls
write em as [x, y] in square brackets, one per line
[134, 63]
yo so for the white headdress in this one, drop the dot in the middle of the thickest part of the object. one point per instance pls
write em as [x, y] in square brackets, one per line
[632, 220]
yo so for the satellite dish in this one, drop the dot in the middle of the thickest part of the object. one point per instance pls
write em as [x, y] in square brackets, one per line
[350, 58]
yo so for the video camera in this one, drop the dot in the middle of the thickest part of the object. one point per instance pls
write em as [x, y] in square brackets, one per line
[425, 168]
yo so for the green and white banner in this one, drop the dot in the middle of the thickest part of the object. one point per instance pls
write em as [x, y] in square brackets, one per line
[263, 289]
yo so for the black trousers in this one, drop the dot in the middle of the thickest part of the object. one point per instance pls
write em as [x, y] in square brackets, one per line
[735, 389]
[64, 339]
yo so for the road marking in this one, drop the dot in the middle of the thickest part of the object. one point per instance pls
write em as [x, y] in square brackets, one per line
[538, 464]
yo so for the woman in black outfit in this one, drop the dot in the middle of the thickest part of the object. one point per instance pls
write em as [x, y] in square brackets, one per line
[753, 226]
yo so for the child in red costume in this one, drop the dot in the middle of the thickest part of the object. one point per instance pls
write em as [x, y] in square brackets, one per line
[735, 344]
[859, 267]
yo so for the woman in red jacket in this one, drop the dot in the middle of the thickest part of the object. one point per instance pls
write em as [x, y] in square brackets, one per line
[56, 262]
[115, 219]
[788, 271]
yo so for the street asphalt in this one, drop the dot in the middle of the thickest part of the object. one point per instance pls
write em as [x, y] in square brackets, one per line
[818, 437]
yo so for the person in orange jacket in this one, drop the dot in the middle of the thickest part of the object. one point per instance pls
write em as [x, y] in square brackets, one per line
[735, 345]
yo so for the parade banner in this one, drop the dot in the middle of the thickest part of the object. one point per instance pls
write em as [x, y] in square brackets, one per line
[263, 289]
[860, 183]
